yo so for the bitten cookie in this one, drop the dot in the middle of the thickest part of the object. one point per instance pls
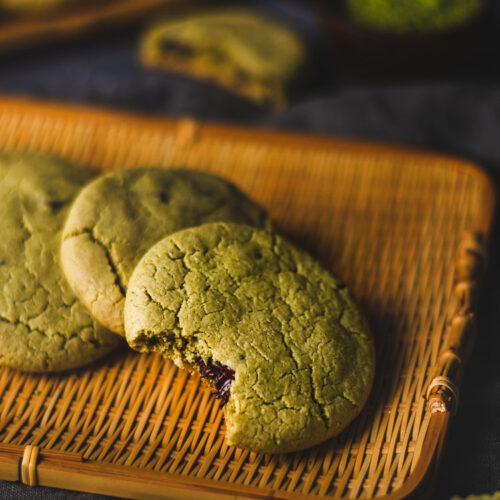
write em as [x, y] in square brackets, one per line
[43, 326]
[118, 217]
[247, 53]
[276, 335]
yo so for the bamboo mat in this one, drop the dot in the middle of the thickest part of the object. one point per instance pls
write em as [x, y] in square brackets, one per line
[405, 230]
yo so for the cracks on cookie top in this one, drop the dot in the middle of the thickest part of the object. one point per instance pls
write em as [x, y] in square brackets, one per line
[307, 369]
[41, 302]
[20, 323]
[114, 269]
[27, 237]
[348, 328]
[314, 396]
[28, 300]
[349, 400]
[64, 338]
[164, 308]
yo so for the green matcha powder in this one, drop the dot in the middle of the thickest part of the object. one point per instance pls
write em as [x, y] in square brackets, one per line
[412, 16]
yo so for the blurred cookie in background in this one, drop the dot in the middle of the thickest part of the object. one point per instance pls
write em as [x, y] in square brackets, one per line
[247, 53]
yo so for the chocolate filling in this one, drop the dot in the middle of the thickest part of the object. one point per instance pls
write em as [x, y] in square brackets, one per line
[163, 197]
[179, 49]
[54, 204]
[219, 376]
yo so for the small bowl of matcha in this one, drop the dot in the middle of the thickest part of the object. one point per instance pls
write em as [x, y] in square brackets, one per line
[412, 16]
[402, 37]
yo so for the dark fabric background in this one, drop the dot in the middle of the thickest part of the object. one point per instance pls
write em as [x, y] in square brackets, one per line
[461, 118]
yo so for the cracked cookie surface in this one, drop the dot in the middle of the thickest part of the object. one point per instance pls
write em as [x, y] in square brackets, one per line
[118, 217]
[43, 326]
[246, 300]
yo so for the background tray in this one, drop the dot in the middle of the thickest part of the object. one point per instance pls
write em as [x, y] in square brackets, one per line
[22, 31]
[405, 230]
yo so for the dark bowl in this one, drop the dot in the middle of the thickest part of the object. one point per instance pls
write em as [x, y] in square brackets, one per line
[361, 52]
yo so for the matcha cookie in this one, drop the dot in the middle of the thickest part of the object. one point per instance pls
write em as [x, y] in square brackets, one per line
[247, 53]
[43, 326]
[117, 218]
[276, 335]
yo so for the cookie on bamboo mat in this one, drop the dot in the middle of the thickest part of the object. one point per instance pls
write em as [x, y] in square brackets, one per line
[43, 326]
[247, 53]
[118, 217]
[276, 335]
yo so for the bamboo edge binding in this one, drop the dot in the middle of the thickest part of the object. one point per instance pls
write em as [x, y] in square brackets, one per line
[28, 473]
[443, 393]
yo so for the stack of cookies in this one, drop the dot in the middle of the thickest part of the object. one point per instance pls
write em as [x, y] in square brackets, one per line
[184, 264]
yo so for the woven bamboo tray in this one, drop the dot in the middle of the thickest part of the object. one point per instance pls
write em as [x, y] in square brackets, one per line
[406, 230]
[21, 31]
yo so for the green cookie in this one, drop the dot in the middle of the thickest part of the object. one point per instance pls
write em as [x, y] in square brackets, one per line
[43, 326]
[117, 218]
[249, 54]
[276, 335]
